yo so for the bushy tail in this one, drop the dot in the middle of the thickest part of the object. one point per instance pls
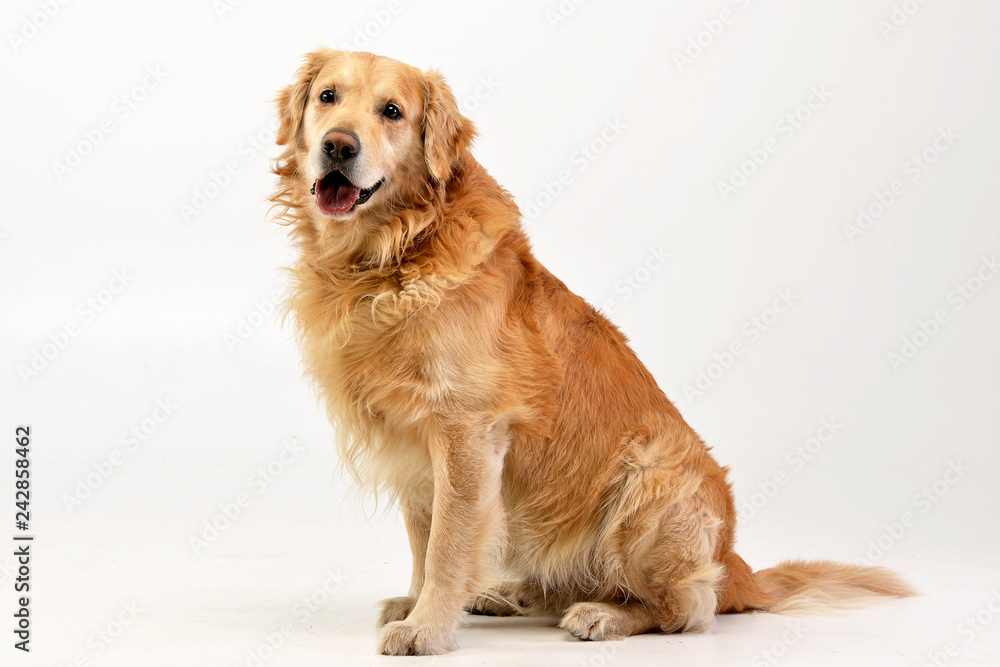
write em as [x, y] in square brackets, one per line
[824, 585]
[807, 586]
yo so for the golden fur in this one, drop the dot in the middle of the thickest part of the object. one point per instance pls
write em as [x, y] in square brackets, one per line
[524, 441]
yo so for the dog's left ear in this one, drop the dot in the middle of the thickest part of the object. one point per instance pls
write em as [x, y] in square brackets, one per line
[446, 131]
[292, 100]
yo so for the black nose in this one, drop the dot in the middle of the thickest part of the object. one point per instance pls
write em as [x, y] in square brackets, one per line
[341, 144]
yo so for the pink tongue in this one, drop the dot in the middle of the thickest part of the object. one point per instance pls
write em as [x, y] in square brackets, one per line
[337, 199]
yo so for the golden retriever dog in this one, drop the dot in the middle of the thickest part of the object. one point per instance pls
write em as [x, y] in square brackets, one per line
[538, 467]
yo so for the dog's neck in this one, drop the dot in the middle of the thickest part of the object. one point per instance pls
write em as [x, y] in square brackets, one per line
[449, 229]
[410, 258]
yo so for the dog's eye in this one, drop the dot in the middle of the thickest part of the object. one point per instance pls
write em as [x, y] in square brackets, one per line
[392, 112]
[327, 96]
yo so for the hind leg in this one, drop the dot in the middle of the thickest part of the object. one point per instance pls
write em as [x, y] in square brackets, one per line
[679, 576]
[681, 598]
[665, 532]
[598, 621]
[686, 601]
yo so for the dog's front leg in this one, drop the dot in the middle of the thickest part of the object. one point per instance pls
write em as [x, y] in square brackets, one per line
[467, 463]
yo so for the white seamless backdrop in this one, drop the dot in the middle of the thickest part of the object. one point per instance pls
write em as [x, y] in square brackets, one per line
[790, 208]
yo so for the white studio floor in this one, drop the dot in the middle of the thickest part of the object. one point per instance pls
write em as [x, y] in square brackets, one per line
[295, 576]
[305, 595]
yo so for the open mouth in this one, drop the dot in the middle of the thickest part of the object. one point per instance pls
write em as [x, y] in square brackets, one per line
[336, 194]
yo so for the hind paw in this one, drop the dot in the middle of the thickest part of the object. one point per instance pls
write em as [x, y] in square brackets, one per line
[590, 621]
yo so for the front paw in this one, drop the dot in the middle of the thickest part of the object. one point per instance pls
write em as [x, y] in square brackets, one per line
[395, 609]
[409, 638]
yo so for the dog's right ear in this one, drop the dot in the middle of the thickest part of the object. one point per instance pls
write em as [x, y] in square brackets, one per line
[292, 100]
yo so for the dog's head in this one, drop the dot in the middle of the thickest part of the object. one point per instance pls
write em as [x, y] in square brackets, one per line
[367, 133]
